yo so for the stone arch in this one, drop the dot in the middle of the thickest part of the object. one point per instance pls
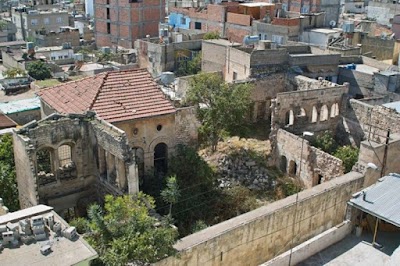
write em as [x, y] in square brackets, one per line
[45, 165]
[334, 110]
[160, 159]
[64, 153]
[289, 118]
[324, 113]
[283, 164]
[314, 115]
[292, 168]
[302, 113]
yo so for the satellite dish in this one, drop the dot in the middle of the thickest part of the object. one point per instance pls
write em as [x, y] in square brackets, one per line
[332, 23]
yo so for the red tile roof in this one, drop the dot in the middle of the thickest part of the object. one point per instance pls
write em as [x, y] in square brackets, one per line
[115, 96]
[6, 122]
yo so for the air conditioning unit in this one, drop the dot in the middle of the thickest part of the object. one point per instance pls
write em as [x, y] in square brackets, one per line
[70, 233]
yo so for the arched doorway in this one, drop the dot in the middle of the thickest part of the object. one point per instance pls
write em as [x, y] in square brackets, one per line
[292, 168]
[283, 164]
[160, 159]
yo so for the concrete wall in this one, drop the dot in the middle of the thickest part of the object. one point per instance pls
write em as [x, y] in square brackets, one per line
[377, 48]
[22, 118]
[312, 246]
[382, 12]
[360, 82]
[213, 57]
[262, 234]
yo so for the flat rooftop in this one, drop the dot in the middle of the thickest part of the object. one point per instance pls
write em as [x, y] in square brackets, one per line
[63, 250]
[357, 251]
[223, 42]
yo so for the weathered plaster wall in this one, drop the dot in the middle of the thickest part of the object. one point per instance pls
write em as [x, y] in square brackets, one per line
[260, 235]
[148, 136]
[186, 126]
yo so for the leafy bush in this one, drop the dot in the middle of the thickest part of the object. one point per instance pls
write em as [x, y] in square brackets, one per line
[349, 156]
[39, 70]
[81, 224]
[211, 35]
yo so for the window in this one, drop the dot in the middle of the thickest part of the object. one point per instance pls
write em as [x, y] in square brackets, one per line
[60, 57]
[65, 56]
[277, 38]
[234, 75]
[159, 127]
[108, 13]
[34, 22]
[53, 58]
[183, 20]
[108, 28]
[46, 21]
[64, 155]
[197, 25]
[59, 20]
[284, 7]
[305, 9]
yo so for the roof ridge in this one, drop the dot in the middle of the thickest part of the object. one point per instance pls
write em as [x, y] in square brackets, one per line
[98, 91]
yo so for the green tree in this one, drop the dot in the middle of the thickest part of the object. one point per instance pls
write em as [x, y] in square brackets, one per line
[221, 107]
[39, 70]
[170, 193]
[190, 67]
[211, 35]
[325, 142]
[14, 72]
[349, 156]
[8, 180]
[124, 232]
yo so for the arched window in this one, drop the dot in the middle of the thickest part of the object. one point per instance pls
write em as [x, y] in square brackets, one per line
[64, 155]
[292, 168]
[43, 160]
[283, 164]
[314, 115]
[302, 113]
[324, 114]
[160, 159]
[289, 118]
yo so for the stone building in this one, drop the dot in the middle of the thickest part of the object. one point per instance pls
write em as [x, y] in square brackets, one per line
[131, 101]
[68, 161]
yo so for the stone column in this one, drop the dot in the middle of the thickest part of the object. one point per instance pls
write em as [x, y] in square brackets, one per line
[133, 179]
[121, 175]
[110, 160]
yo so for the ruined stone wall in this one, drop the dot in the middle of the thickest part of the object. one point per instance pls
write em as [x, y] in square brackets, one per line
[25, 171]
[301, 83]
[309, 110]
[371, 122]
[70, 184]
[296, 157]
[186, 126]
[259, 235]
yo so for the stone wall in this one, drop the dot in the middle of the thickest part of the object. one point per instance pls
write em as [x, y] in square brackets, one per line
[377, 47]
[262, 234]
[296, 157]
[186, 126]
[309, 110]
[372, 122]
[301, 83]
[78, 151]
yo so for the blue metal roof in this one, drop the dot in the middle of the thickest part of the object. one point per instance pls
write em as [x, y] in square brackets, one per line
[394, 105]
[20, 105]
[381, 199]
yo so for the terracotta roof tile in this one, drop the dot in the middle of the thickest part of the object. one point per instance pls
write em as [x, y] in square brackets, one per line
[6, 122]
[115, 96]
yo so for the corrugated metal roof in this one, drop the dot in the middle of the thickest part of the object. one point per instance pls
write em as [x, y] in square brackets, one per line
[381, 199]
[394, 105]
[20, 105]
